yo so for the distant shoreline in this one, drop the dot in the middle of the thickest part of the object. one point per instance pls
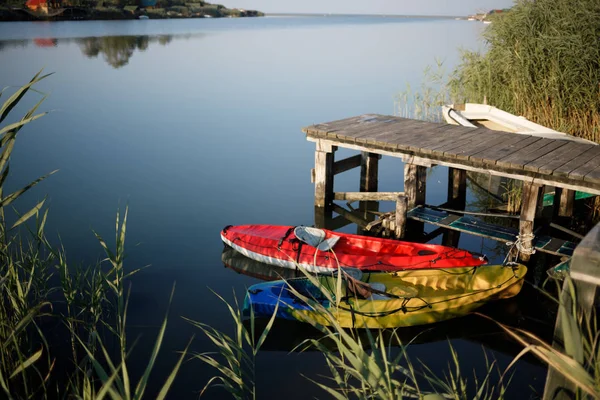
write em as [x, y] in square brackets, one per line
[72, 13]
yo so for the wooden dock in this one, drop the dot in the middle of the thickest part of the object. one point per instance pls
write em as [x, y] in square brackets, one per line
[568, 166]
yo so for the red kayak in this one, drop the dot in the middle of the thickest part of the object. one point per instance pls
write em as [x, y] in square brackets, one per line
[293, 247]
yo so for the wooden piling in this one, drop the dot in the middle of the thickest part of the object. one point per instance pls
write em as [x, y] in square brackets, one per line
[323, 175]
[457, 188]
[564, 200]
[369, 167]
[529, 210]
[457, 199]
[401, 215]
[415, 178]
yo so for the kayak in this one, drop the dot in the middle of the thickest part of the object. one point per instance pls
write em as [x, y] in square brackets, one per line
[321, 250]
[401, 299]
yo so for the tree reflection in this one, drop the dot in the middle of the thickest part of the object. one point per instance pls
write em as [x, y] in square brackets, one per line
[117, 50]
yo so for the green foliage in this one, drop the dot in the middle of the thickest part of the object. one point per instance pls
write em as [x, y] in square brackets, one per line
[179, 9]
[542, 62]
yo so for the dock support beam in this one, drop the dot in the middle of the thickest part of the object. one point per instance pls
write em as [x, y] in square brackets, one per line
[530, 208]
[564, 200]
[415, 179]
[324, 175]
[457, 199]
[369, 169]
[401, 210]
[457, 188]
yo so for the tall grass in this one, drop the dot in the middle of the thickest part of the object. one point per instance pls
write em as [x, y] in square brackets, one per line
[542, 62]
[425, 102]
[370, 366]
[42, 297]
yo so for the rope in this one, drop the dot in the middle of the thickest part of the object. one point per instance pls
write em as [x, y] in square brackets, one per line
[518, 247]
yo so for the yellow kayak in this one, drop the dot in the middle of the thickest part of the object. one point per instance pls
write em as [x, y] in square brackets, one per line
[388, 300]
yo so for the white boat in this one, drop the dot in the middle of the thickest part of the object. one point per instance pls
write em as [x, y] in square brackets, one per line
[487, 22]
[481, 115]
[143, 17]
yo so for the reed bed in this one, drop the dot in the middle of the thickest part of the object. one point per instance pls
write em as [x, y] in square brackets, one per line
[378, 367]
[542, 62]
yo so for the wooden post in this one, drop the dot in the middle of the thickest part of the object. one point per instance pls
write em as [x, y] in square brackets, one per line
[564, 200]
[529, 210]
[369, 167]
[401, 210]
[585, 272]
[457, 199]
[457, 188]
[415, 179]
[323, 175]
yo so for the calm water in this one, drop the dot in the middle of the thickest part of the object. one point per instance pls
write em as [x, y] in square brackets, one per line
[195, 124]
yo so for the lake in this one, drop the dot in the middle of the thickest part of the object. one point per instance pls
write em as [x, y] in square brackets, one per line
[196, 124]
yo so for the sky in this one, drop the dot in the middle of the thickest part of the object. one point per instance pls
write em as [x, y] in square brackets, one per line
[406, 7]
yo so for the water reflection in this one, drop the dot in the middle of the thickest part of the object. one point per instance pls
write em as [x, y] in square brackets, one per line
[246, 266]
[116, 50]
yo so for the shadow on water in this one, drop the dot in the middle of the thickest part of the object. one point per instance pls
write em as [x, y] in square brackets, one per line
[116, 50]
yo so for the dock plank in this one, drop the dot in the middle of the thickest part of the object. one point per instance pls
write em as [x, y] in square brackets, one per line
[516, 158]
[351, 133]
[582, 171]
[477, 145]
[476, 135]
[556, 158]
[371, 136]
[450, 140]
[512, 145]
[578, 161]
[422, 142]
[593, 176]
[534, 155]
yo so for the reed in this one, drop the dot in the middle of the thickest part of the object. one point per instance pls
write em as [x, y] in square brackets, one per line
[426, 102]
[373, 368]
[42, 297]
[542, 62]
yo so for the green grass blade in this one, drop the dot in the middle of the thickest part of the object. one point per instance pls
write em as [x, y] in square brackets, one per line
[27, 363]
[29, 214]
[13, 196]
[12, 101]
[165, 389]
[17, 125]
[141, 386]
